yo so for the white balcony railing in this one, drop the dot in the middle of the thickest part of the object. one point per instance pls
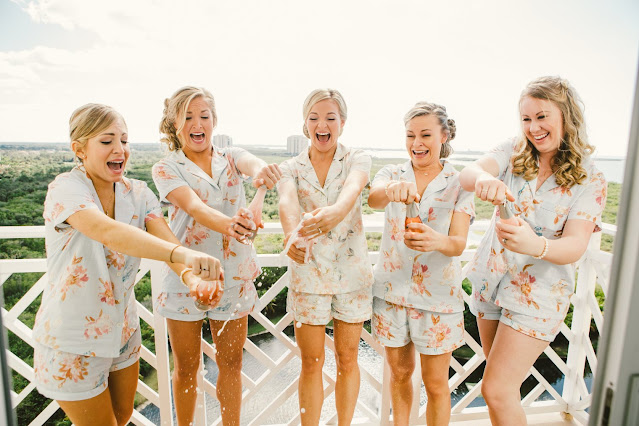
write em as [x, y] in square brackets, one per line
[572, 401]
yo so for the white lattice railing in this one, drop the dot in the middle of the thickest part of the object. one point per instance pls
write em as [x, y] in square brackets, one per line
[594, 268]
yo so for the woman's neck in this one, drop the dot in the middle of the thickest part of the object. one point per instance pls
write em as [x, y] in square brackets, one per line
[317, 156]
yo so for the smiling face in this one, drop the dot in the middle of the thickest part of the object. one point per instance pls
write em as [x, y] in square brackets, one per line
[542, 124]
[424, 140]
[198, 127]
[324, 125]
[105, 155]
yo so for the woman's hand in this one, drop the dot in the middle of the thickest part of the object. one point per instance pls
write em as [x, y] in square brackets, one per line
[423, 238]
[202, 265]
[519, 238]
[268, 175]
[489, 188]
[206, 292]
[402, 192]
[241, 225]
[297, 254]
[323, 221]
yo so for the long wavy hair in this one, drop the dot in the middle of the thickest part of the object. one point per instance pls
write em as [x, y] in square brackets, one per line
[573, 148]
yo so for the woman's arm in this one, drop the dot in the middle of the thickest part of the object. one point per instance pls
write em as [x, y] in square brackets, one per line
[567, 249]
[262, 173]
[327, 218]
[480, 177]
[135, 242]
[186, 199]
[424, 238]
[290, 213]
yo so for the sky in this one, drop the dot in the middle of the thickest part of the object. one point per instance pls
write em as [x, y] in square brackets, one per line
[260, 59]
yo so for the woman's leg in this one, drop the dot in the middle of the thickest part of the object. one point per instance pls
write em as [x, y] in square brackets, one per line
[230, 346]
[96, 411]
[123, 385]
[185, 338]
[511, 356]
[487, 331]
[310, 340]
[435, 375]
[402, 364]
[348, 380]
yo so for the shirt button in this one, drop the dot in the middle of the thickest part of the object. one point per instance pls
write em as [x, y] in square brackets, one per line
[119, 274]
[410, 257]
[119, 325]
[218, 199]
[218, 243]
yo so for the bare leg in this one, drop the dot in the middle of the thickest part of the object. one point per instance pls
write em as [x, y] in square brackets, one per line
[511, 356]
[185, 338]
[435, 376]
[487, 331]
[348, 379]
[310, 340]
[230, 348]
[122, 386]
[112, 407]
[402, 364]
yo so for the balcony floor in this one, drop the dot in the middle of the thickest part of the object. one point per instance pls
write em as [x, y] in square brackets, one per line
[546, 419]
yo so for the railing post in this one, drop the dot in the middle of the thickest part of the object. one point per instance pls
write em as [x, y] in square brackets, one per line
[161, 348]
[581, 317]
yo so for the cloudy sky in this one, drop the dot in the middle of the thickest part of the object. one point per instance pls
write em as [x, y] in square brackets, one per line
[261, 58]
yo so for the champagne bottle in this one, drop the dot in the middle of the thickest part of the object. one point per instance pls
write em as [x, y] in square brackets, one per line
[506, 215]
[412, 215]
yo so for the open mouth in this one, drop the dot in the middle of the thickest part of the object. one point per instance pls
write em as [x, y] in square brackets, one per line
[116, 166]
[540, 137]
[420, 153]
[323, 137]
[197, 137]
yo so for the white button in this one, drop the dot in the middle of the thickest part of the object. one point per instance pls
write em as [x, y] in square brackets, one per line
[119, 325]
[218, 199]
[119, 274]
[218, 243]
[410, 257]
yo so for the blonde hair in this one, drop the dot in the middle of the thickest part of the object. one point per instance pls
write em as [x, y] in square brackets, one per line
[566, 164]
[174, 114]
[319, 95]
[447, 124]
[89, 121]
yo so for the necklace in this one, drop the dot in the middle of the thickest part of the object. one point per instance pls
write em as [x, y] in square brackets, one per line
[111, 201]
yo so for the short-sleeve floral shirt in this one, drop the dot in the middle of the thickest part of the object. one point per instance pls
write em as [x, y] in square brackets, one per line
[223, 192]
[88, 304]
[424, 280]
[339, 262]
[522, 283]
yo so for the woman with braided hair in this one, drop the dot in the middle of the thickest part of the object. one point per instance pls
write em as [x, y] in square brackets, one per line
[418, 303]
[523, 272]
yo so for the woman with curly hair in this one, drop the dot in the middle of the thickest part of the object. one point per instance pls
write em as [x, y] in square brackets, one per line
[523, 272]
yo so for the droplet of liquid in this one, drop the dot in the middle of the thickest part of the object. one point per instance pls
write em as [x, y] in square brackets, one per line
[316, 359]
[186, 391]
[298, 324]
[303, 410]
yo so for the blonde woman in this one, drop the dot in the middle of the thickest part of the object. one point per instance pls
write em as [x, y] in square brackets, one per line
[204, 188]
[523, 272]
[418, 303]
[326, 182]
[87, 329]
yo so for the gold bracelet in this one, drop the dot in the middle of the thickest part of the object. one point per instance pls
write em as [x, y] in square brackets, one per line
[545, 251]
[171, 255]
[184, 271]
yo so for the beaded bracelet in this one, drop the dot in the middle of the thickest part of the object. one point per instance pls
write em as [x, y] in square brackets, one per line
[184, 271]
[171, 255]
[545, 251]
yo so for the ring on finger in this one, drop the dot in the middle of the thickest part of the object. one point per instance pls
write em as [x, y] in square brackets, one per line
[319, 229]
[505, 240]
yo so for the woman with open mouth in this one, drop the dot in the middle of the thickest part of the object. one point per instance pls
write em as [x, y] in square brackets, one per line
[203, 186]
[418, 303]
[523, 272]
[87, 334]
[324, 183]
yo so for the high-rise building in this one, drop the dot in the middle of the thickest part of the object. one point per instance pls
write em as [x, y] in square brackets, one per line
[222, 141]
[296, 144]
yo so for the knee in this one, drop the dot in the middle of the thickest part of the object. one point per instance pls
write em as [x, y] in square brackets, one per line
[185, 366]
[229, 362]
[494, 393]
[437, 389]
[312, 363]
[346, 361]
[402, 372]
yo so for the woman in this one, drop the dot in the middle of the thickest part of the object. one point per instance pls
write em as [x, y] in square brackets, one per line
[418, 303]
[326, 182]
[204, 188]
[523, 272]
[87, 329]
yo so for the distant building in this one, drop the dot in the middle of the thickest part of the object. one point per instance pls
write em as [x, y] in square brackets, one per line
[296, 144]
[222, 141]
